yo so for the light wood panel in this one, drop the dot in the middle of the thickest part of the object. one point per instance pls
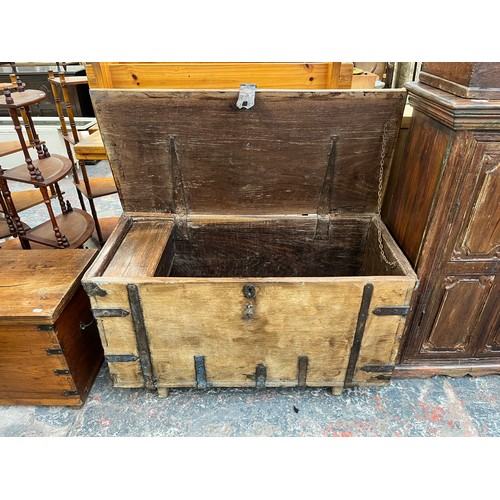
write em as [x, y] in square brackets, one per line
[91, 148]
[210, 75]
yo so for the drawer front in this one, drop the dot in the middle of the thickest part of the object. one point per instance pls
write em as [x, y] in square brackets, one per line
[33, 369]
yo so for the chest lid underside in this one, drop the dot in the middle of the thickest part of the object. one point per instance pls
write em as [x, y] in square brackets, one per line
[293, 152]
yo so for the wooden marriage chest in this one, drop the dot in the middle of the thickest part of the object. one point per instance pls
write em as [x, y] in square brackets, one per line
[50, 351]
[248, 254]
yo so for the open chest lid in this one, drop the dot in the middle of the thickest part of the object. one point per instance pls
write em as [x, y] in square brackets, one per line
[291, 152]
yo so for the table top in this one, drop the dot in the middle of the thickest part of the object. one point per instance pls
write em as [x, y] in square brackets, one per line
[91, 148]
[37, 284]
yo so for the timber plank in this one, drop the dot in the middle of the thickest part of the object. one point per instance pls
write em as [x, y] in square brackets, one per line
[220, 75]
[271, 159]
[57, 279]
[214, 325]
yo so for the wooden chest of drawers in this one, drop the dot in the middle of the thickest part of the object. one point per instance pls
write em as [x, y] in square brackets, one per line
[50, 352]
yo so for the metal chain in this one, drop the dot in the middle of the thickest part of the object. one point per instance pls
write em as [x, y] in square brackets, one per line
[379, 200]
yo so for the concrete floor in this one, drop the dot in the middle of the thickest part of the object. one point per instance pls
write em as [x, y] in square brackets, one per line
[439, 406]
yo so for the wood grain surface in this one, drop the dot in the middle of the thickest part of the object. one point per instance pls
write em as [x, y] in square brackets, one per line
[203, 311]
[407, 206]
[91, 148]
[24, 298]
[198, 153]
[206, 75]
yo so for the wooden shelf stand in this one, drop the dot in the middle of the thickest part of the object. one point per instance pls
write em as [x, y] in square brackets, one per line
[71, 228]
[90, 188]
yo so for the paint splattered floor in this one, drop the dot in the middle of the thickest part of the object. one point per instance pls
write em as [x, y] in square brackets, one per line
[439, 406]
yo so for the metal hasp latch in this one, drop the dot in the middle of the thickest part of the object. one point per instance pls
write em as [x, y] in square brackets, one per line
[246, 97]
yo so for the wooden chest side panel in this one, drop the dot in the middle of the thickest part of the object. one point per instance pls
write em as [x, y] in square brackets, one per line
[117, 334]
[382, 335]
[27, 370]
[78, 336]
[292, 153]
[235, 334]
[373, 262]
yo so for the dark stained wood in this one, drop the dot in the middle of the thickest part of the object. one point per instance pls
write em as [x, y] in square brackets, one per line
[77, 227]
[269, 247]
[458, 72]
[412, 185]
[443, 208]
[491, 343]
[477, 237]
[52, 170]
[453, 111]
[271, 159]
[79, 339]
[465, 79]
[453, 314]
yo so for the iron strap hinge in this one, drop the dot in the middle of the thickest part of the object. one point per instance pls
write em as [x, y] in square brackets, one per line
[109, 313]
[120, 358]
[246, 97]
[391, 310]
[93, 290]
[377, 368]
